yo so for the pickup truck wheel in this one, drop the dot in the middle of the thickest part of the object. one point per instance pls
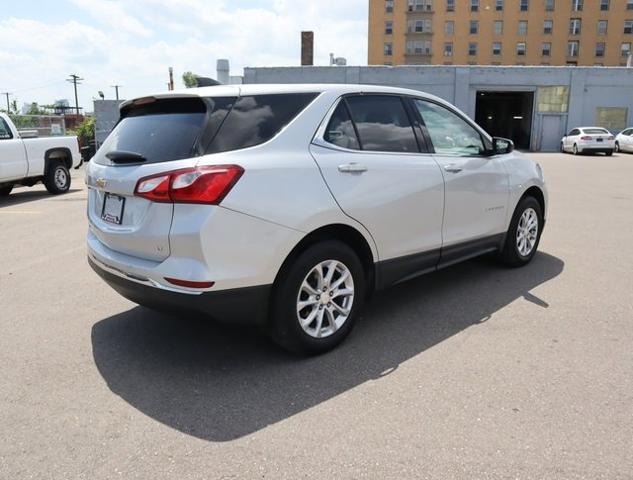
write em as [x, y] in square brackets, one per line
[523, 234]
[57, 179]
[317, 298]
[5, 191]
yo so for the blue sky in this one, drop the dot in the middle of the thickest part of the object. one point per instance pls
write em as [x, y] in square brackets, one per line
[133, 42]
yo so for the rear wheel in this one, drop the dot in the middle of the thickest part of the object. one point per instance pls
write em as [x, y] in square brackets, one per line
[524, 233]
[617, 146]
[57, 179]
[317, 298]
[6, 190]
[575, 149]
[609, 153]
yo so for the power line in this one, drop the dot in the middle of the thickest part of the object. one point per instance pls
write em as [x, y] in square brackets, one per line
[7, 95]
[116, 89]
[75, 80]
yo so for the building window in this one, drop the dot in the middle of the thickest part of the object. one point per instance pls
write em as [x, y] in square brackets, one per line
[472, 48]
[389, 28]
[629, 4]
[628, 26]
[521, 49]
[546, 49]
[449, 27]
[611, 118]
[496, 48]
[448, 49]
[604, 5]
[420, 5]
[553, 99]
[474, 27]
[498, 27]
[602, 27]
[625, 49]
[388, 49]
[572, 48]
[574, 26]
[549, 5]
[523, 26]
[389, 6]
[419, 26]
[524, 5]
[474, 5]
[419, 47]
[450, 5]
[576, 5]
[600, 48]
[548, 27]
[499, 6]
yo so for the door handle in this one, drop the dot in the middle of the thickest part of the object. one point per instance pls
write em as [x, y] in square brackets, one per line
[452, 168]
[352, 168]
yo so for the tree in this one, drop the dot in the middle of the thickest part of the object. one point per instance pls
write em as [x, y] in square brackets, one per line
[190, 79]
[35, 109]
[86, 131]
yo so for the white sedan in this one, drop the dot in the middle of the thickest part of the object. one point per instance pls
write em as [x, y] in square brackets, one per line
[588, 140]
[624, 141]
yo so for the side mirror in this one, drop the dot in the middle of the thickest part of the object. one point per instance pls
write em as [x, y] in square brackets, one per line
[502, 145]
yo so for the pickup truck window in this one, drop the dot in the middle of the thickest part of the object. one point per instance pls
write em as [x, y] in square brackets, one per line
[5, 131]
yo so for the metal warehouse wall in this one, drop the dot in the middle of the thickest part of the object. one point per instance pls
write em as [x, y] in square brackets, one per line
[590, 88]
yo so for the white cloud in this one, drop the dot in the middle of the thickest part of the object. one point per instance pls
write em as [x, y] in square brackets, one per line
[132, 42]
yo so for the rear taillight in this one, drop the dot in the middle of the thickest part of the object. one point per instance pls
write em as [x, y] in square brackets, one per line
[207, 185]
[586, 138]
[610, 137]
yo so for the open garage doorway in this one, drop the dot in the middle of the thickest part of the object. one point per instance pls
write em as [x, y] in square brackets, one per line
[506, 114]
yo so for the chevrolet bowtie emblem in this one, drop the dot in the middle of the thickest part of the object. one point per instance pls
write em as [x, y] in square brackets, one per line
[101, 182]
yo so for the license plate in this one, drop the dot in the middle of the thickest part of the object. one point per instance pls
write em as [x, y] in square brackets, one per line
[113, 208]
[599, 139]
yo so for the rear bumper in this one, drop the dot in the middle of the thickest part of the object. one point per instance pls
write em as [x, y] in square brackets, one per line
[246, 306]
[596, 148]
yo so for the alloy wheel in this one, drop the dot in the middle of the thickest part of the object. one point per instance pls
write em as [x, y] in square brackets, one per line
[325, 298]
[527, 232]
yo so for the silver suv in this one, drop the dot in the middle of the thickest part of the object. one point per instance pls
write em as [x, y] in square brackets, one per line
[286, 205]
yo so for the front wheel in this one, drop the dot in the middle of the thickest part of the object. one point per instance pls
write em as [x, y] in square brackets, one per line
[57, 179]
[562, 147]
[6, 190]
[524, 233]
[617, 146]
[317, 298]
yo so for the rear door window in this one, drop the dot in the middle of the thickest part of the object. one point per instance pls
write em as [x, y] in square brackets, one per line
[166, 129]
[255, 119]
[382, 123]
[340, 131]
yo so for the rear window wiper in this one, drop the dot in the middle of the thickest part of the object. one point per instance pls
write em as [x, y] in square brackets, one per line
[121, 156]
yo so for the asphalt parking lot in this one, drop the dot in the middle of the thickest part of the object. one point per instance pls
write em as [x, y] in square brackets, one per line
[477, 371]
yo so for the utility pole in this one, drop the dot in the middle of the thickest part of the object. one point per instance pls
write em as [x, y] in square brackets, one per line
[7, 95]
[116, 89]
[171, 78]
[75, 80]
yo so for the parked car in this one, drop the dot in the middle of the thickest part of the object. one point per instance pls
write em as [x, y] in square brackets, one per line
[624, 141]
[588, 140]
[27, 161]
[286, 206]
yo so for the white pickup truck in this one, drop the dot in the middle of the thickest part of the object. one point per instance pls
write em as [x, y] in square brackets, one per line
[26, 161]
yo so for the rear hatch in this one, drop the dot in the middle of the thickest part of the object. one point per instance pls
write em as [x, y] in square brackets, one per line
[153, 136]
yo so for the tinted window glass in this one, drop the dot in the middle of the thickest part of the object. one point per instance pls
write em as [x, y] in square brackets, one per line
[5, 132]
[164, 130]
[595, 130]
[258, 118]
[340, 131]
[449, 133]
[382, 123]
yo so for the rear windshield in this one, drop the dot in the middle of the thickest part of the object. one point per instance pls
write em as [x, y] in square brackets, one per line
[256, 119]
[594, 130]
[167, 129]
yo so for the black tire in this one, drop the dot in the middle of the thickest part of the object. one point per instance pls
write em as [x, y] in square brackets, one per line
[617, 146]
[562, 148]
[57, 179]
[608, 153]
[574, 150]
[6, 190]
[284, 326]
[510, 253]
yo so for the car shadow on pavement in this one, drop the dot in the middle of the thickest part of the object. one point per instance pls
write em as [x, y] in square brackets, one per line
[24, 196]
[219, 383]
